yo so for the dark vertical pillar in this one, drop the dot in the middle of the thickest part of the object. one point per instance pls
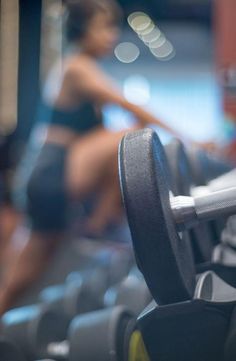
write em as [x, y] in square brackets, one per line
[29, 64]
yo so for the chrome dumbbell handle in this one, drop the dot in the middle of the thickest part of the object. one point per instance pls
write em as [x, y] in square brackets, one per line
[189, 211]
[58, 349]
[215, 205]
[227, 180]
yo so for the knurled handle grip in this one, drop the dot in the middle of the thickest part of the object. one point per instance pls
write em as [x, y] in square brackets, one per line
[215, 205]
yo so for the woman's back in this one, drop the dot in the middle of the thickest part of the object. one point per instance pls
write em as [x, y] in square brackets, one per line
[63, 104]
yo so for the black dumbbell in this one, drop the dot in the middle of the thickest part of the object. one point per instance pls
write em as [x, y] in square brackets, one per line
[182, 182]
[27, 325]
[227, 180]
[206, 166]
[9, 352]
[99, 335]
[207, 235]
[84, 294]
[158, 220]
[164, 257]
[83, 291]
[132, 292]
[213, 174]
[221, 258]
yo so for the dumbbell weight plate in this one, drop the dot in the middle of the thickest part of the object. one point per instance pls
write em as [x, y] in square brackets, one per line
[85, 294]
[181, 171]
[206, 167]
[101, 335]
[9, 352]
[208, 170]
[50, 325]
[163, 255]
[132, 292]
[179, 167]
[14, 326]
[29, 327]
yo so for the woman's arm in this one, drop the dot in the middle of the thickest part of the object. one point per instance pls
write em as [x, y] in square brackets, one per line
[89, 80]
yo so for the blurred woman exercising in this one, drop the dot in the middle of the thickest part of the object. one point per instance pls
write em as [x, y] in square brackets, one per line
[79, 155]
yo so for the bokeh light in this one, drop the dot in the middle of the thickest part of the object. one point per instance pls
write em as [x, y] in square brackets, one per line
[139, 21]
[137, 89]
[157, 42]
[147, 30]
[127, 52]
[164, 52]
[152, 36]
[160, 47]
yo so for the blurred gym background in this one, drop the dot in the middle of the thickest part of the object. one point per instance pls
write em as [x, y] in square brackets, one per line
[174, 57]
[166, 60]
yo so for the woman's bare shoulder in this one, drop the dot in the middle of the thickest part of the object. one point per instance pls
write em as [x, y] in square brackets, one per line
[81, 65]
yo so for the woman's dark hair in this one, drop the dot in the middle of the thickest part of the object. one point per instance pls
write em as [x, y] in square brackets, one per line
[80, 12]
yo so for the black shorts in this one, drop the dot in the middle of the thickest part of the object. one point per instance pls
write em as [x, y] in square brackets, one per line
[46, 191]
[43, 192]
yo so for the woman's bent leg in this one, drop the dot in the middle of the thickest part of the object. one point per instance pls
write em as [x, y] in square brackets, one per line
[91, 160]
[26, 264]
[93, 166]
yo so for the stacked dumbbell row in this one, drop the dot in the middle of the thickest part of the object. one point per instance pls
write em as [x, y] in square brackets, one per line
[186, 182]
[10, 352]
[63, 320]
[61, 330]
[193, 316]
[91, 335]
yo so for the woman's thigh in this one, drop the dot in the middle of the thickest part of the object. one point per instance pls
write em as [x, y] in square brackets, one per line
[91, 160]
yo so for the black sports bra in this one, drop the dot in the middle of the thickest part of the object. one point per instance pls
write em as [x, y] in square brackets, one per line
[81, 119]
